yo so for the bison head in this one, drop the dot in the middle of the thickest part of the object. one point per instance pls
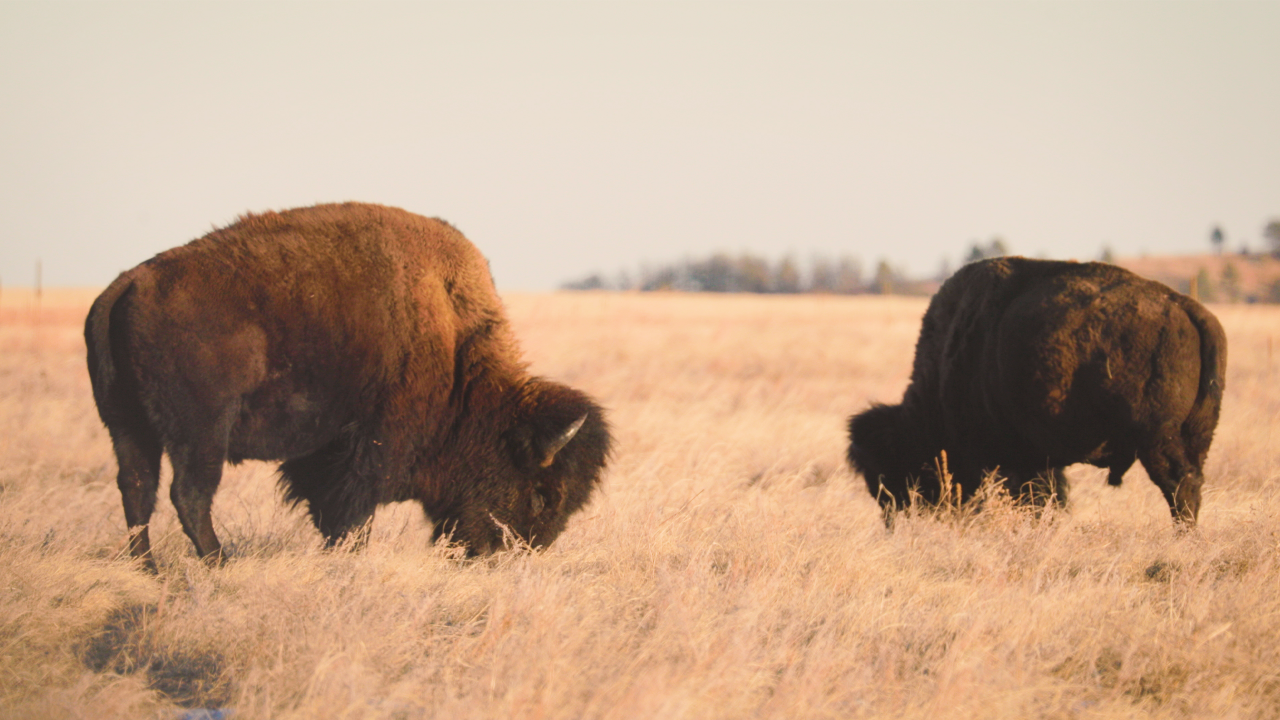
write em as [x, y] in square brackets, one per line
[538, 471]
[883, 448]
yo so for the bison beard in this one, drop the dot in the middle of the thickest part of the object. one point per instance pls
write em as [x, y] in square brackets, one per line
[362, 345]
[1024, 366]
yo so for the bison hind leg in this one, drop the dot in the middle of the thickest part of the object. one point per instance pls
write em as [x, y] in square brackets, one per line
[1178, 478]
[338, 499]
[138, 450]
[197, 472]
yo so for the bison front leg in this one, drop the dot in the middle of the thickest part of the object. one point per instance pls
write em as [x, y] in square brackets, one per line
[1041, 488]
[196, 475]
[345, 524]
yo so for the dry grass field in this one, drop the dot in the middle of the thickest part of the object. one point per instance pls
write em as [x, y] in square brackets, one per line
[731, 567]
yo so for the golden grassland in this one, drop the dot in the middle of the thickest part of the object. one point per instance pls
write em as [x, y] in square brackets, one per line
[731, 567]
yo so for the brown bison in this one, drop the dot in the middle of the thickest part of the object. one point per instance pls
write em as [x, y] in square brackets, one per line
[1027, 366]
[362, 345]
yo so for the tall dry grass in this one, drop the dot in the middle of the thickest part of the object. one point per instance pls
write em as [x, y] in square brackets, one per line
[731, 567]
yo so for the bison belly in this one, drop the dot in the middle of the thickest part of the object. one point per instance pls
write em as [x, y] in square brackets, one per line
[279, 423]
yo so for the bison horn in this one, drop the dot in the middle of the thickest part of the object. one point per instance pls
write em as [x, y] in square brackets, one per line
[558, 444]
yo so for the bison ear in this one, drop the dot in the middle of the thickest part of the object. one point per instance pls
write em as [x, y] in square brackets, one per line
[557, 443]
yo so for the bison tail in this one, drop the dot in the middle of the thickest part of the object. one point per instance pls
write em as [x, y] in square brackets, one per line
[103, 373]
[1199, 426]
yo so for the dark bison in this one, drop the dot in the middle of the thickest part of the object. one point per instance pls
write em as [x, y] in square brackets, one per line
[1027, 366]
[362, 345]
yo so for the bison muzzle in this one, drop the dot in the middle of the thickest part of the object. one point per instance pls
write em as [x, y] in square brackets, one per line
[363, 346]
[1024, 366]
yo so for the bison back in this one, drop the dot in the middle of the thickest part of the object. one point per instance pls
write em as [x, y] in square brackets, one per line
[290, 327]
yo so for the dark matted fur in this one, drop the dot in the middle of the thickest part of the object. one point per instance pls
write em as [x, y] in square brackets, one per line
[364, 346]
[1031, 365]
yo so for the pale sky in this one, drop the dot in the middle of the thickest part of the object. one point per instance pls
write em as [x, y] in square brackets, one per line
[569, 137]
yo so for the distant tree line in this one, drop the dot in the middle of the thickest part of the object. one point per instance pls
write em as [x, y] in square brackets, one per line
[1227, 286]
[749, 273]
[993, 249]
[1270, 235]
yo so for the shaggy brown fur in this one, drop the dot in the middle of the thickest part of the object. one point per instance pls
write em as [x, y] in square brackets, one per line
[1026, 366]
[362, 345]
